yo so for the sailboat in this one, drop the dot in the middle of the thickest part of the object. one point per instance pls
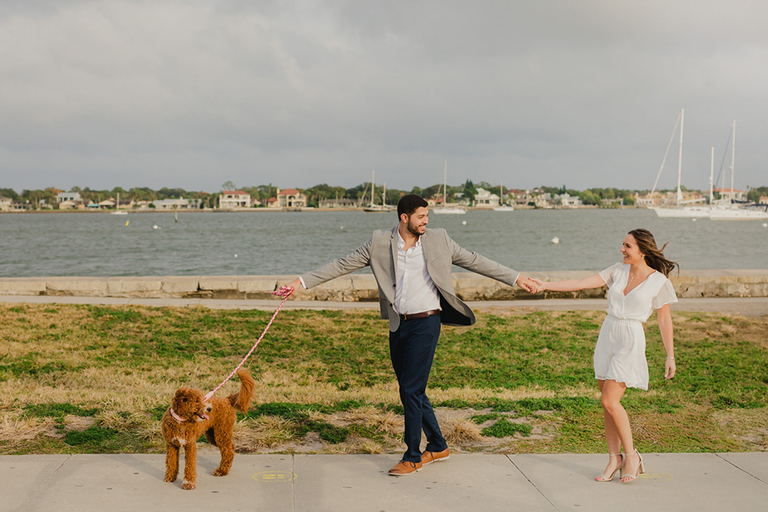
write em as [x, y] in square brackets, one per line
[377, 208]
[118, 211]
[679, 210]
[502, 207]
[445, 209]
[727, 209]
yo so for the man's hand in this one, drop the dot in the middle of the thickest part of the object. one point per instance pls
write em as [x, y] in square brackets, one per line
[295, 284]
[527, 284]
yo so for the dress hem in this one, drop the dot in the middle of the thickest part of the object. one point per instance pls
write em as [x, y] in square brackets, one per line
[636, 386]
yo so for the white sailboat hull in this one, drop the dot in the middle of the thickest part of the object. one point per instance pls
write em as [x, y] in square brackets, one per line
[449, 211]
[738, 214]
[377, 208]
[697, 212]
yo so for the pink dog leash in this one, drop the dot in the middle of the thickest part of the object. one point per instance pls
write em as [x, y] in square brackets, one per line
[284, 291]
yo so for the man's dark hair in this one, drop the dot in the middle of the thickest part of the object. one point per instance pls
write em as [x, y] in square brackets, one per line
[408, 204]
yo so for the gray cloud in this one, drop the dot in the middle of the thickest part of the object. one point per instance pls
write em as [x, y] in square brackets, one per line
[193, 93]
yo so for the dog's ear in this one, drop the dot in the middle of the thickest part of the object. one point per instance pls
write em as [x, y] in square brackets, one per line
[180, 398]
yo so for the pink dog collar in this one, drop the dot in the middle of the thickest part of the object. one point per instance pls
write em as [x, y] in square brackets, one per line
[176, 416]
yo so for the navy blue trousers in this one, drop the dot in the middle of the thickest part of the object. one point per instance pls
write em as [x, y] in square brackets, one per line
[412, 349]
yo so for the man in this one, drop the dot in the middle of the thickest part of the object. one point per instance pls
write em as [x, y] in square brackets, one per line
[412, 266]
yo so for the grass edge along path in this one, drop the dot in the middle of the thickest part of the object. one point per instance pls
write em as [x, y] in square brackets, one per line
[96, 379]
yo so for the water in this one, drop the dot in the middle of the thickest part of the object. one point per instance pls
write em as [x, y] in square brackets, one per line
[287, 243]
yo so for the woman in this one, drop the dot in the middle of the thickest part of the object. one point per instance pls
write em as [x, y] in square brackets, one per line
[636, 287]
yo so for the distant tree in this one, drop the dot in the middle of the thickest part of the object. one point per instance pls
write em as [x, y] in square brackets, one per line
[431, 191]
[171, 193]
[469, 191]
[357, 192]
[9, 193]
[588, 197]
[485, 185]
[755, 193]
[228, 185]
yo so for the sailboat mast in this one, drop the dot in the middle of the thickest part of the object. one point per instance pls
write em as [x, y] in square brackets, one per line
[711, 175]
[680, 159]
[445, 184]
[733, 155]
[373, 187]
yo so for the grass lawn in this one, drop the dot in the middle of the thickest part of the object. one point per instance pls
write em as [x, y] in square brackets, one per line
[95, 379]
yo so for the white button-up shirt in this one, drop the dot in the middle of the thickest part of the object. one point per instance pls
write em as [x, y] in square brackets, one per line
[415, 292]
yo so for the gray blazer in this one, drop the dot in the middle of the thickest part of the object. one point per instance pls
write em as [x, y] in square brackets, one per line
[441, 252]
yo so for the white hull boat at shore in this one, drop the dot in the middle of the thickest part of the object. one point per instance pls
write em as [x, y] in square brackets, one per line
[738, 214]
[443, 210]
[454, 209]
[696, 212]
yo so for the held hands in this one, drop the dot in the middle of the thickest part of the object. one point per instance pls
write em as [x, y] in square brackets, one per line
[528, 284]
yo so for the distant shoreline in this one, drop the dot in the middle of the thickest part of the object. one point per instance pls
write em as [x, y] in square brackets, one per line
[303, 210]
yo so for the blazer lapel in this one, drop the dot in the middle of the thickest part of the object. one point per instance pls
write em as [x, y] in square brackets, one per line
[393, 250]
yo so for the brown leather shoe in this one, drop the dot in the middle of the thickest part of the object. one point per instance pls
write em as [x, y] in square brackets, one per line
[405, 467]
[430, 457]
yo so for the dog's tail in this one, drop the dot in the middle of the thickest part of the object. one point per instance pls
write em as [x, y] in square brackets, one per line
[241, 400]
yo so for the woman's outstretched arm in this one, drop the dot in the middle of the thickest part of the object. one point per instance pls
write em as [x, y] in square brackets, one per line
[572, 285]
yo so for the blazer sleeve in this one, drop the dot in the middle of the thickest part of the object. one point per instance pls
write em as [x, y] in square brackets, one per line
[356, 260]
[480, 264]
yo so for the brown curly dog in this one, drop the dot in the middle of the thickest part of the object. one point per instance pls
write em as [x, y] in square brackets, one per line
[190, 416]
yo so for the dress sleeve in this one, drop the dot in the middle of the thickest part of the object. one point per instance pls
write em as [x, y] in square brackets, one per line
[608, 275]
[666, 295]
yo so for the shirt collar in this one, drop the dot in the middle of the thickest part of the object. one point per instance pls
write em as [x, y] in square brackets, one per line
[401, 242]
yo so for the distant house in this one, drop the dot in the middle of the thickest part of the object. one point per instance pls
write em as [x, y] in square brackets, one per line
[68, 205]
[647, 199]
[486, 199]
[234, 199]
[569, 201]
[272, 203]
[522, 197]
[68, 196]
[543, 200]
[338, 203]
[763, 199]
[739, 195]
[170, 204]
[291, 198]
[5, 204]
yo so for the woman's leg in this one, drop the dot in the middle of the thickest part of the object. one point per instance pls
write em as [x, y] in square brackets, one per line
[611, 437]
[617, 423]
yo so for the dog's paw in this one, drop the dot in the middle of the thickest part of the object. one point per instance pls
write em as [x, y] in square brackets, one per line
[220, 472]
[188, 485]
[170, 478]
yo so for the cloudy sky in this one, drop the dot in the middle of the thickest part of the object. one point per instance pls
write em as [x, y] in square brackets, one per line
[194, 93]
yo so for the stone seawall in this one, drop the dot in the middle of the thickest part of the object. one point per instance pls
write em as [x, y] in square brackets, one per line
[362, 287]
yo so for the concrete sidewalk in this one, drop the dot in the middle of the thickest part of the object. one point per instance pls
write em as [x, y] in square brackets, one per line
[359, 483]
[748, 306]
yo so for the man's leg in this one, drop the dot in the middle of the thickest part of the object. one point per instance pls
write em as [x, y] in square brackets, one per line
[412, 349]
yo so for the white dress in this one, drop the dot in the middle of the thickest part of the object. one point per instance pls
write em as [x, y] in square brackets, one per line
[620, 350]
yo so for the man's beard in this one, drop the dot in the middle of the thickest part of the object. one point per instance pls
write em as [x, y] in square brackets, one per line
[414, 230]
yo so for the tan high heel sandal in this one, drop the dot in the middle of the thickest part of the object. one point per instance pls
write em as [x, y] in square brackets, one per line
[608, 478]
[626, 478]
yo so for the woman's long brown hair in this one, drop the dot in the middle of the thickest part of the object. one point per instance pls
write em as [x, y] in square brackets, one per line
[654, 257]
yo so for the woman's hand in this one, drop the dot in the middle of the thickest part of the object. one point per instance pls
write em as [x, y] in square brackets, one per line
[670, 368]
